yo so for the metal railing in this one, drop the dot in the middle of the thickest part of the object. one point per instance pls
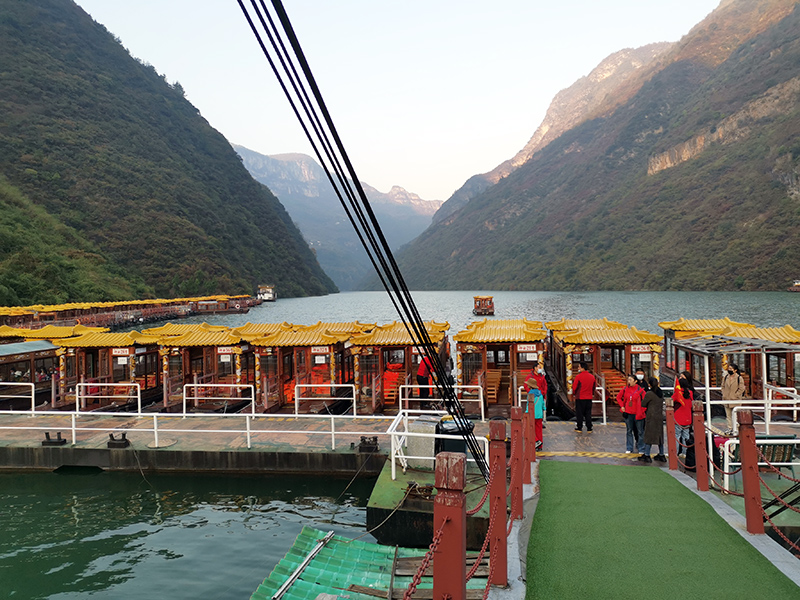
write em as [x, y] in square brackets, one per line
[161, 424]
[19, 384]
[300, 386]
[400, 434]
[463, 388]
[728, 453]
[83, 392]
[196, 397]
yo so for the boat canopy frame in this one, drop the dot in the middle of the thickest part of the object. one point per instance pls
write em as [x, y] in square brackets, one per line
[714, 345]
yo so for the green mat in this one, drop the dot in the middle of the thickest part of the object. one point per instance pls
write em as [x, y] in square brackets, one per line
[604, 531]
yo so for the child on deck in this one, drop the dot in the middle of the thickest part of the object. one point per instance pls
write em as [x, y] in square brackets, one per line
[536, 399]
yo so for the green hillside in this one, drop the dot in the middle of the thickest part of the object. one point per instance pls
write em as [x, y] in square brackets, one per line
[584, 213]
[130, 191]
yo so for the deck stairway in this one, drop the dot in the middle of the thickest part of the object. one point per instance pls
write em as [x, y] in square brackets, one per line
[615, 381]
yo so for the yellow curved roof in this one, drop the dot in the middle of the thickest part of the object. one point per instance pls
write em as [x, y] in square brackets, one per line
[261, 329]
[182, 328]
[49, 332]
[201, 337]
[502, 330]
[109, 340]
[704, 325]
[615, 335]
[786, 334]
[347, 327]
[302, 337]
[568, 324]
[395, 334]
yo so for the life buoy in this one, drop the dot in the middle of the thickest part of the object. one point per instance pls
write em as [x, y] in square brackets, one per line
[237, 307]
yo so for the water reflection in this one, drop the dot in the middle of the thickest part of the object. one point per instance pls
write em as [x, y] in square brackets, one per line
[118, 535]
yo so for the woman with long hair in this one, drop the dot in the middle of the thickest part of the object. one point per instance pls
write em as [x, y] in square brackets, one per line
[653, 404]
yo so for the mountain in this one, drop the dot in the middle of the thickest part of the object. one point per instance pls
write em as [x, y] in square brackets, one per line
[568, 108]
[303, 188]
[686, 178]
[114, 186]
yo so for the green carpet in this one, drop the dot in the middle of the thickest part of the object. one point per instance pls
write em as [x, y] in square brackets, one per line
[604, 531]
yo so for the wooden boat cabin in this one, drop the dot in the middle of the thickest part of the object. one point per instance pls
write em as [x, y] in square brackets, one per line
[385, 358]
[774, 351]
[26, 362]
[207, 356]
[498, 355]
[680, 359]
[267, 293]
[612, 353]
[483, 305]
[105, 359]
[312, 357]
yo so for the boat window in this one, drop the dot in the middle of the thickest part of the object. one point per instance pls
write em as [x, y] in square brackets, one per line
[120, 372]
[698, 368]
[225, 365]
[16, 371]
[796, 369]
[777, 369]
[471, 365]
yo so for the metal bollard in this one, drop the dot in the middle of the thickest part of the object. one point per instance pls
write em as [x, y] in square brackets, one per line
[700, 450]
[450, 557]
[498, 549]
[750, 480]
[517, 441]
[672, 444]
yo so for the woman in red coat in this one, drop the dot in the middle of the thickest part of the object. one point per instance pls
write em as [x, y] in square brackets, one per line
[630, 404]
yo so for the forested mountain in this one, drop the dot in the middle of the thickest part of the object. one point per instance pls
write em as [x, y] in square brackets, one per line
[300, 184]
[685, 178]
[113, 186]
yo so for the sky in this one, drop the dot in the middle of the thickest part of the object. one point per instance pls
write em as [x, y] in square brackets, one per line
[424, 94]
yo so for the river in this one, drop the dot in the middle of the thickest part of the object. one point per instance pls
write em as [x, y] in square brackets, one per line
[79, 534]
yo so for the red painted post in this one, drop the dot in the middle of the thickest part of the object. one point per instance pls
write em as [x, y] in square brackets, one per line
[700, 450]
[450, 557]
[516, 463]
[672, 444]
[529, 447]
[498, 549]
[750, 480]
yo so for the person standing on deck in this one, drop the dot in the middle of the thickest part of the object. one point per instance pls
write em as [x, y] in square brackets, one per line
[733, 388]
[641, 381]
[536, 400]
[653, 404]
[537, 373]
[683, 397]
[423, 376]
[629, 400]
[583, 393]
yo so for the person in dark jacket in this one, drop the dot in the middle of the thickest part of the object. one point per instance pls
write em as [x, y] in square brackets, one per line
[653, 404]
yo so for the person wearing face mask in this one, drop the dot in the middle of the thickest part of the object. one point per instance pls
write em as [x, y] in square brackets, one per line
[538, 375]
[653, 404]
[733, 388]
[629, 400]
[641, 380]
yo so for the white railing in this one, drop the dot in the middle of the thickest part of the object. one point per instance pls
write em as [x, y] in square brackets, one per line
[399, 435]
[83, 392]
[602, 402]
[462, 388]
[300, 386]
[728, 462]
[19, 384]
[196, 397]
[162, 423]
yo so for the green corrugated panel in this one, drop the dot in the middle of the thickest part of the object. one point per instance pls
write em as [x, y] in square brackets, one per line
[338, 565]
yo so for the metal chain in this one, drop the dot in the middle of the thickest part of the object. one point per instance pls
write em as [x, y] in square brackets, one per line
[437, 537]
[779, 532]
[492, 514]
[488, 580]
[723, 488]
[773, 467]
[495, 468]
[777, 496]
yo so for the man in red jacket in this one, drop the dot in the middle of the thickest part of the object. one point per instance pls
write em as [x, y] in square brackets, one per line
[583, 392]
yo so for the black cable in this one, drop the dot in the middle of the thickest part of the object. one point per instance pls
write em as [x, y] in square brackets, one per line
[361, 215]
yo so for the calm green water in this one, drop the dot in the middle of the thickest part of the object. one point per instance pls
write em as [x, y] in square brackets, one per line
[120, 536]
